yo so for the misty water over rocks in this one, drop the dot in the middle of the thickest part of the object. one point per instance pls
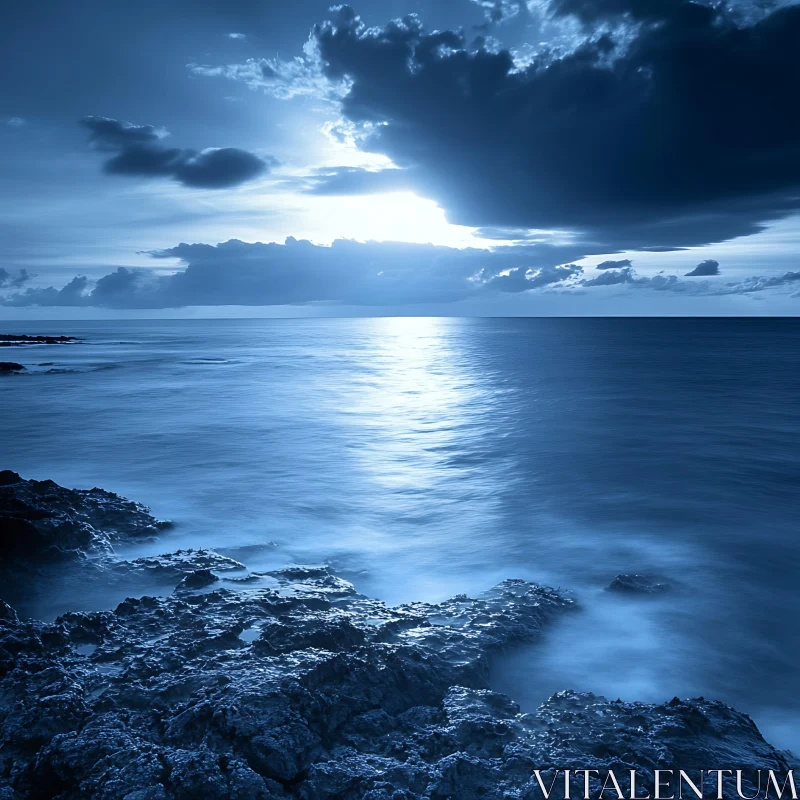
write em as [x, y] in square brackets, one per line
[421, 458]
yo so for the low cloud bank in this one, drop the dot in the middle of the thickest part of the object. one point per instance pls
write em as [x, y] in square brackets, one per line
[299, 272]
[672, 283]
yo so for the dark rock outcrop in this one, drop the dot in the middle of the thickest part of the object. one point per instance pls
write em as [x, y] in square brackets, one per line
[12, 340]
[10, 367]
[299, 688]
[197, 579]
[331, 695]
[638, 584]
[172, 567]
[42, 521]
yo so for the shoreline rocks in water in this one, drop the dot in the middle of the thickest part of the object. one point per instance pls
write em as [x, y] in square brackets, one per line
[42, 521]
[13, 340]
[10, 367]
[305, 689]
[638, 584]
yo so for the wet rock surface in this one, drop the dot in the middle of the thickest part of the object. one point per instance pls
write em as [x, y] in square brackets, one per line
[173, 567]
[168, 698]
[302, 688]
[331, 695]
[42, 521]
[196, 579]
[638, 584]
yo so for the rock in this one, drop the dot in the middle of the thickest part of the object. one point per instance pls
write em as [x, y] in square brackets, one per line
[339, 697]
[170, 682]
[9, 367]
[197, 579]
[41, 521]
[303, 688]
[641, 584]
[12, 340]
[7, 614]
[174, 566]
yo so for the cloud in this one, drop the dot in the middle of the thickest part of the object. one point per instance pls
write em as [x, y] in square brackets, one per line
[672, 283]
[498, 11]
[677, 130]
[138, 151]
[760, 283]
[344, 181]
[299, 77]
[523, 280]
[625, 262]
[704, 269]
[612, 278]
[511, 234]
[594, 11]
[11, 281]
[72, 294]
[15, 122]
[238, 36]
[299, 272]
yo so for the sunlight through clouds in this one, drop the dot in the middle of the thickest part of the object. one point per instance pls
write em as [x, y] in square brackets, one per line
[398, 217]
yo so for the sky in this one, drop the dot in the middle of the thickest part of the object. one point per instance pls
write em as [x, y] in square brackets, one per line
[476, 157]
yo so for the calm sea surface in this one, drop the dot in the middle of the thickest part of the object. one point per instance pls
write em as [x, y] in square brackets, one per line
[426, 457]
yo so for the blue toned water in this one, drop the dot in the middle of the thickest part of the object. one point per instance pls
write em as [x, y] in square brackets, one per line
[427, 457]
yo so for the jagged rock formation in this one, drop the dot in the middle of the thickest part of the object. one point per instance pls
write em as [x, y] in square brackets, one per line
[309, 690]
[42, 521]
[302, 688]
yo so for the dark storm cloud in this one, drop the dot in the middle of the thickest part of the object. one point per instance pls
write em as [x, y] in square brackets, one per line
[680, 131]
[704, 269]
[297, 272]
[138, 151]
[626, 262]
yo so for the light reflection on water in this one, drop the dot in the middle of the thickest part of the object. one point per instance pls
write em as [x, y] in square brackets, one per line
[428, 457]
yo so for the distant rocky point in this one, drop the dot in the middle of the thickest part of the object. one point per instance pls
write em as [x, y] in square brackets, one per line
[13, 340]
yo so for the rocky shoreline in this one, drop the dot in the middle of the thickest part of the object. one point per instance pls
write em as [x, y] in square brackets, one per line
[290, 684]
[15, 340]
[23, 340]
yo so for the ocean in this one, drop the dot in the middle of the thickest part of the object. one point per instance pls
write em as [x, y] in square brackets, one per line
[425, 457]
